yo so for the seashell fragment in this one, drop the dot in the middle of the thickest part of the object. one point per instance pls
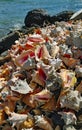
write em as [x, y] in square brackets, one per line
[50, 105]
[2, 117]
[79, 87]
[43, 123]
[25, 60]
[43, 96]
[72, 100]
[54, 50]
[53, 81]
[36, 79]
[68, 78]
[70, 62]
[78, 71]
[17, 118]
[65, 50]
[56, 63]
[21, 86]
[57, 127]
[36, 38]
[45, 53]
[68, 127]
[68, 117]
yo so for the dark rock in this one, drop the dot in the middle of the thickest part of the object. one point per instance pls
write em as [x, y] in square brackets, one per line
[62, 16]
[77, 15]
[6, 42]
[56, 118]
[53, 19]
[37, 17]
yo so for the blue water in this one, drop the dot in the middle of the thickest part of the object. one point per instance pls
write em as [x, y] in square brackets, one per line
[13, 12]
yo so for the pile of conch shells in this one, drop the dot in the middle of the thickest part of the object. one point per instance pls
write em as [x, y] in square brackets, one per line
[41, 84]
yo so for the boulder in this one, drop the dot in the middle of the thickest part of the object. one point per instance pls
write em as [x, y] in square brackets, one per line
[7, 41]
[62, 16]
[77, 15]
[37, 17]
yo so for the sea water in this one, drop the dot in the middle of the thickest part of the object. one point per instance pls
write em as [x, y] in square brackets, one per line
[13, 12]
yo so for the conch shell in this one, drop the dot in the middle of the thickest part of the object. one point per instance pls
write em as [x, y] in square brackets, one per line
[26, 60]
[72, 100]
[68, 117]
[43, 123]
[68, 78]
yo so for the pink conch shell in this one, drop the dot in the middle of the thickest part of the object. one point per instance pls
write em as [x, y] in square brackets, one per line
[36, 38]
[68, 78]
[41, 52]
[26, 60]
[43, 96]
[39, 77]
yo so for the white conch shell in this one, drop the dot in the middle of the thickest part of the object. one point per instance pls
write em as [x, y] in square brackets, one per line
[68, 117]
[72, 100]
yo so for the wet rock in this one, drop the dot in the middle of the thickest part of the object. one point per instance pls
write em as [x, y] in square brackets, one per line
[62, 16]
[36, 17]
[6, 42]
[77, 15]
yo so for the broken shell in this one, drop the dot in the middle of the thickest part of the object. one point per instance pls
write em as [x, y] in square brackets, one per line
[17, 118]
[28, 123]
[21, 86]
[37, 78]
[35, 38]
[78, 71]
[21, 59]
[43, 123]
[50, 105]
[2, 117]
[41, 52]
[54, 51]
[68, 117]
[56, 63]
[68, 127]
[79, 87]
[57, 127]
[68, 78]
[72, 100]
[43, 96]
[70, 62]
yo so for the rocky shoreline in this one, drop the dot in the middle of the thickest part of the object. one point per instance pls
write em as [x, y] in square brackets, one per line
[35, 19]
[41, 73]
